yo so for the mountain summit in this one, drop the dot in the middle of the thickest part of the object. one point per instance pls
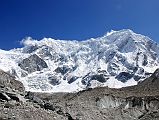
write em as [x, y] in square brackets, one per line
[118, 59]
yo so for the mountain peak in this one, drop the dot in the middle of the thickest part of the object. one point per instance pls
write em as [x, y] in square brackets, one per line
[124, 31]
[119, 59]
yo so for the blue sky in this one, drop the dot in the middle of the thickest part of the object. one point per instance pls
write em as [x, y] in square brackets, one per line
[75, 19]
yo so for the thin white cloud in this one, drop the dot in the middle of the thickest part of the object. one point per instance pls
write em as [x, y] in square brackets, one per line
[28, 41]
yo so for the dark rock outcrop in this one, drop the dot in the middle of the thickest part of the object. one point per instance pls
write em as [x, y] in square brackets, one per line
[3, 96]
[100, 77]
[30, 49]
[62, 70]
[72, 79]
[8, 81]
[53, 80]
[32, 64]
[34, 99]
[124, 76]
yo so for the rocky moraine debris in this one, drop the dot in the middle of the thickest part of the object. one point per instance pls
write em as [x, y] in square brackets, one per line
[140, 102]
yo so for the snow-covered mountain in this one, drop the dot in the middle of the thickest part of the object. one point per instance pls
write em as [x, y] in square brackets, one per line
[118, 59]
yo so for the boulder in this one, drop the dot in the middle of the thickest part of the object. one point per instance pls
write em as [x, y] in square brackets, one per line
[10, 104]
[3, 96]
[15, 96]
[34, 99]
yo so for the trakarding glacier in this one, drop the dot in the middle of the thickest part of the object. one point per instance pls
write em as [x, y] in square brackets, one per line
[117, 59]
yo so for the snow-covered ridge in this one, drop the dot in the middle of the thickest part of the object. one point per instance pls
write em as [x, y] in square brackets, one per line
[118, 59]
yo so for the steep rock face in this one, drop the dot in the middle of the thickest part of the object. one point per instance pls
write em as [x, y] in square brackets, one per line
[151, 83]
[6, 80]
[32, 64]
[146, 103]
[110, 102]
[118, 59]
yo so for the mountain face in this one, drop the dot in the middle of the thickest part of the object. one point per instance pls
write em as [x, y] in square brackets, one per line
[118, 59]
[16, 105]
[139, 102]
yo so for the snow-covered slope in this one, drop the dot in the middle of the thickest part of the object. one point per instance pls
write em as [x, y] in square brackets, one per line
[118, 59]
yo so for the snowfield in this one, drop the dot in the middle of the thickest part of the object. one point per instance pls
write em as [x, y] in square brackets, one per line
[118, 59]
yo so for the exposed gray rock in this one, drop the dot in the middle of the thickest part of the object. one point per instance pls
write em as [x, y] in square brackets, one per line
[124, 76]
[156, 73]
[145, 61]
[3, 96]
[153, 105]
[110, 102]
[32, 64]
[6, 80]
[45, 51]
[34, 99]
[16, 96]
[112, 69]
[53, 80]
[130, 103]
[140, 102]
[13, 105]
[10, 104]
[24, 73]
[72, 79]
[62, 70]
[136, 77]
[99, 78]
[30, 49]
[140, 71]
